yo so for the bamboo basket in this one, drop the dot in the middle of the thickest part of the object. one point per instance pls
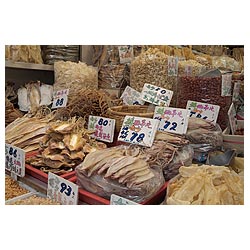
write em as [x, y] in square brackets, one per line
[119, 112]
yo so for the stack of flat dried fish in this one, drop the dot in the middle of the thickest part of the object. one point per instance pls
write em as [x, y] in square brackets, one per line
[64, 146]
[206, 185]
[26, 132]
[11, 114]
[115, 170]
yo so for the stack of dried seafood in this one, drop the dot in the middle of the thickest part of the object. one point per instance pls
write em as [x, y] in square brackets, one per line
[84, 103]
[206, 185]
[117, 171]
[11, 114]
[26, 132]
[64, 146]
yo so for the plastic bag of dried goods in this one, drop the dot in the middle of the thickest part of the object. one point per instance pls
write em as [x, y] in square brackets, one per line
[113, 171]
[183, 157]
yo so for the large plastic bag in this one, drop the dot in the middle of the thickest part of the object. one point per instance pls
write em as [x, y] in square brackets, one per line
[106, 186]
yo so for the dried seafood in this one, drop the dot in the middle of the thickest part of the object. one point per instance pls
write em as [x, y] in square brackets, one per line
[206, 185]
[75, 76]
[11, 114]
[35, 200]
[64, 146]
[114, 170]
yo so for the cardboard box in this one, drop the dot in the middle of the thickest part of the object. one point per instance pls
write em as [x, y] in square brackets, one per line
[234, 141]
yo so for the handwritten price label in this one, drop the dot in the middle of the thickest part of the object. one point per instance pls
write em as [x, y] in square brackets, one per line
[236, 92]
[188, 70]
[131, 97]
[61, 190]
[104, 128]
[156, 95]
[226, 85]
[173, 120]
[138, 130]
[232, 118]
[172, 66]
[15, 160]
[60, 92]
[60, 98]
[126, 53]
[118, 200]
[203, 110]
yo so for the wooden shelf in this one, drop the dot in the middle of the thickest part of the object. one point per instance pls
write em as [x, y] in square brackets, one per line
[31, 66]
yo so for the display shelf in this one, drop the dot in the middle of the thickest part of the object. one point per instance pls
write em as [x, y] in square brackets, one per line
[32, 66]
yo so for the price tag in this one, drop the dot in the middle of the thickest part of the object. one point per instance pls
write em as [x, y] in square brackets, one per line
[172, 66]
[236, 92]
[226, 85]
[203, 110]
[232, 118]
[156, 95]
[61, 190]
[126, 53]
[188, 70]
[138, 130]
[173, 120]
[118, 200]
[15, 160]
[104, 128]
[60, 101]
[131, 97]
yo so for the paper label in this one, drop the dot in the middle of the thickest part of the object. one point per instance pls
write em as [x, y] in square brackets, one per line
[61, 190]
[188, 70]
[104, 128]
[232, 118]
[61, 92]
[118, 200]
[172, 66]
[203, 110]
[236, 92]
[60, 101]
[138, 130]
[131, 97]
[173, 120]
[126, 53]
[156, 95]
[226, 85]
[15, 160]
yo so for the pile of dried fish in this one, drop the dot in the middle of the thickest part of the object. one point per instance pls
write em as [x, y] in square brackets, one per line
[84, 103]
[115, 170]
[205, 185]
[26, 132]
[11, 114]
[64, 146]
[75, 76]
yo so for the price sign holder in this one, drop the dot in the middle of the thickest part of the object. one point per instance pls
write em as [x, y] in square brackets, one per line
[172, 66]
[104, 128]
[138, 130]
[131, 97]
[118, 200]
[14, 160]
[60, 98]
[236, 91]
[172, 120]
[62, 190]
[226, 85]
[203, 110]
[126, 53]
[232, 118]
[156, 95]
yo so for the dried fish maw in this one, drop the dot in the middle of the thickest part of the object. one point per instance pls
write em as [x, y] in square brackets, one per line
[34, 96]
[188, 171]
[173, 201]
[31, 148]
[56, 145]
[132, 175]
[109, 163]
[226, 198]
[199, 200]
[57, 164]
[62, 127]
[88, 149]
[211, 196]
[74, 142]
[122, 164]
[76, 155]
[190, 189]
[140, 180]
[56, 157]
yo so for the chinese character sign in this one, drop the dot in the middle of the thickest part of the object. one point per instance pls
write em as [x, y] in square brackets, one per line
[60, 98]
[204, 111]
[156, 95]
[172, 66]
[61, 190]
[138, 130]
[126, 53]
[173, 120]
[118, 200]
[104, 128]
[15, 160]
[131, 97]
[226, 85]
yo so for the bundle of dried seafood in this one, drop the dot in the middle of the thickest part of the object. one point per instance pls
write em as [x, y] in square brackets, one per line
[64, 146]
[205, 185]
[84, 103]
[11, 114]
[116, 171]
